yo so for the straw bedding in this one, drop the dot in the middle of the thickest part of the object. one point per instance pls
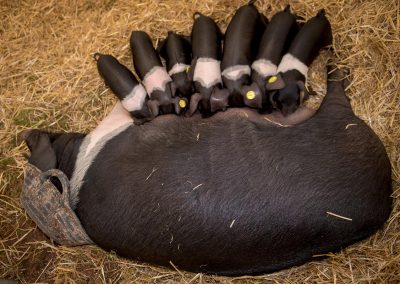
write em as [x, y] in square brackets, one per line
[49, 80]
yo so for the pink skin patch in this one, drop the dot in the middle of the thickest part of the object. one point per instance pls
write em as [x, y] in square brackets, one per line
[290, 62]
[135, 99]
[264, 67]
[235, 72]
[207, 72]
[156, 79]
[178, 68]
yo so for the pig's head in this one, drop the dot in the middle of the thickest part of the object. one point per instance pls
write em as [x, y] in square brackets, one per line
[184, 85]
[287, 92]
[53, 150]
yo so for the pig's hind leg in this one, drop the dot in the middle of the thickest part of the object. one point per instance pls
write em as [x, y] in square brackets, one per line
[336, 101]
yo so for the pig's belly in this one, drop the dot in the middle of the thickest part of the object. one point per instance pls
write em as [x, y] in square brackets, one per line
[235, 197]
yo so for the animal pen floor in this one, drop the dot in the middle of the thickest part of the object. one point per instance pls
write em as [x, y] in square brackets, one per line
[48, 80]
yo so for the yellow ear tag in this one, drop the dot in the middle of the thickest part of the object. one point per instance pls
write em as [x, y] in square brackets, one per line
[250, 95]
[272, 79]
[187, 69]
[182, 103]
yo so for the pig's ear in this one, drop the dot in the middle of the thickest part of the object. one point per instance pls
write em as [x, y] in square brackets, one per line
[43, 155]
[273, 97]
[161, 48]
[188, 39]
[305, 91]
[190, 71]
[275, 82]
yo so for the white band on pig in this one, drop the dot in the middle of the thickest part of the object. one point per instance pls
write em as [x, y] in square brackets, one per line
[178, 68]
[135, 99]
[113, 124]
[156, 79]
[264, 67]
[207, 72]
[235, 72]
[289, 62]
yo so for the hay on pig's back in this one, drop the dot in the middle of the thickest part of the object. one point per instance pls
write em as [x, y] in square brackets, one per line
[48, 80]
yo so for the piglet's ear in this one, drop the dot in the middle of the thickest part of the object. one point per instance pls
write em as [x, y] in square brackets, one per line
[43, 155]
[305, 91]
[275, 82]
[161, 48]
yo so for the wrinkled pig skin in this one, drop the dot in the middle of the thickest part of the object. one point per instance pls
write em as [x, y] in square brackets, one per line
[237, 193]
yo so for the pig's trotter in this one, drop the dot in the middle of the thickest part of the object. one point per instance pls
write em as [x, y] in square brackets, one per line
[336, 99]
[153, 107]
[194, 102]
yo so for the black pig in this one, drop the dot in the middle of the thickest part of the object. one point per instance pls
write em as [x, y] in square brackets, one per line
[177, 52]
[154, 77]
[274, 43]
[290, 82]
[241, 41]
[206, 66]
[236, 193]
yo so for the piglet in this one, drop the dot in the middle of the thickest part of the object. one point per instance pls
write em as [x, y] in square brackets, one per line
[154, 76]
[289, 84]
[274, 42]
[206, 70]
[124, 85]
[241, 41]
[177, 52]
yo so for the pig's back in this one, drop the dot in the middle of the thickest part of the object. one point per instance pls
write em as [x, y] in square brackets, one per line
[236, 197]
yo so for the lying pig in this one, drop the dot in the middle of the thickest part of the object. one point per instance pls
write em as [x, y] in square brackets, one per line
[235, 193]
[274, 42]
[123, 83]
[154, 77]
[242, 38]
[289, 85]
[177, 52]
[206, 70]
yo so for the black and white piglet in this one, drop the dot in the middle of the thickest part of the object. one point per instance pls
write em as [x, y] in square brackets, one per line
[206, 66]
[177, 52]
[123, 83]
[154, 76]
[274, 43]
[242, 38]
[289, 84]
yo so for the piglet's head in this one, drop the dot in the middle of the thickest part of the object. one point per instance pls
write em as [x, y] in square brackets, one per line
[286, 94]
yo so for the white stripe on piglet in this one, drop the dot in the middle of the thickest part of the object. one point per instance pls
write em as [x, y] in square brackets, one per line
[178, 68]
[207, 72]
[264, 67]
[290, 62]
[156, 79]
[236, 71]
[135, 99]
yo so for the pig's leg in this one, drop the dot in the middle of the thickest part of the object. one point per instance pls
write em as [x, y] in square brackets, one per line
[302, 114]
[335, 101]
[43, 155]
[115, 122]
